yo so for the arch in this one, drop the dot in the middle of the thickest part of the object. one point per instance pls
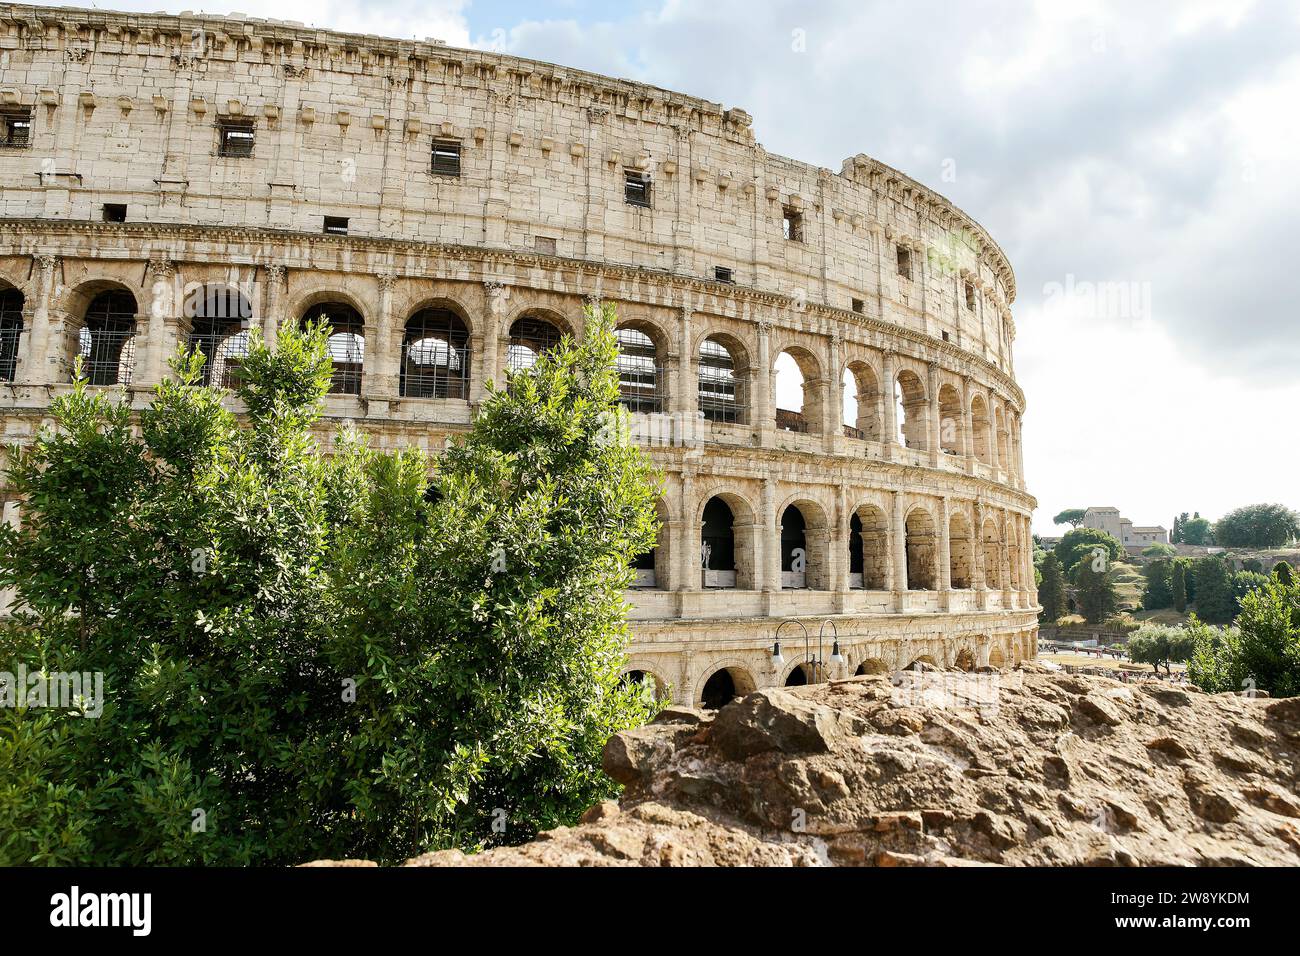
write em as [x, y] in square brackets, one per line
[992, 554]
[800, 675]
[650, 569]
[871, 665]
[106, 339]
[964, 660]
[872, 533]
[996, 657]
[435, 356]
[951, 420]
[11, 329]
[724, 684]
[921, 550]
[219, 316]
[961, 552]
[723, 381]
[861, 408]
[639, 675]
[803, 524]
[796, 380]
[531, 334]
[641, 385]
[922, 659]
[718, 544]
[909, 397]
[980, 439]
[347, 344]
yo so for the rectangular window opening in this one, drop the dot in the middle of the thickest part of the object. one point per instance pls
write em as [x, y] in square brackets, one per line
[235, 139]
[114, 212]
[858, 306]
[544, 244]
[905, 262]
[970, 297]
[446, 158]
[723, 274]
[336, 225]
[16, 129]
[792, 224]
[636, 188]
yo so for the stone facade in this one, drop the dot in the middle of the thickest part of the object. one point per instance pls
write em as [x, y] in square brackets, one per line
[448, 210]
[1108, 519]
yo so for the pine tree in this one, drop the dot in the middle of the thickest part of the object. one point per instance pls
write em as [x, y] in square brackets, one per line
[1215, 601]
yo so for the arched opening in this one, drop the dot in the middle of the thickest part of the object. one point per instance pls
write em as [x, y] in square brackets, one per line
[965, 660]
[961, 551]
[106, 342]
[921, 551]
[996, 657]
[219, 319]
[872, 533]
[11, 329]
[950, 420]
[794, 549]
[718, 545]
[640, 377]
[650, 568]
[347, 344]
[643, 678]
[992, 555]
[721, 390]
[861, 405]
[800, 676]
[855, 551]
[909, 396]
[530, 336]
[724, 686]
[798, 408]
[872, 665]
[435, 356]
[925, 659]
[979, 414]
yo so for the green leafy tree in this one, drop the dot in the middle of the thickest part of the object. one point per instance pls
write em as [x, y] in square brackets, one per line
[1215, 664]
[304, 651]
[1257, 526]
[1071, 516]
[1197, 531]
[1215, 601]
[1178, 586]
[1051, 591]
[1159, 644]
[1283, 572]
[1157, 551]
[1075, 544]
[1158, 592]
[1243, 582]
[1095, 590]
[1269, 645]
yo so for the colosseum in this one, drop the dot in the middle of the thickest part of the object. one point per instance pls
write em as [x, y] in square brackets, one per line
[819, 361]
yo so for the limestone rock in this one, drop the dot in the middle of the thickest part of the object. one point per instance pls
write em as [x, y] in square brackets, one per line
[1050, 770]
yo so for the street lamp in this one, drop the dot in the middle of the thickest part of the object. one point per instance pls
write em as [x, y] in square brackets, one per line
[817, 663]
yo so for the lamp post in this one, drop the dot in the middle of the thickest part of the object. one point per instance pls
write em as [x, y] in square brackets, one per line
[816, 663]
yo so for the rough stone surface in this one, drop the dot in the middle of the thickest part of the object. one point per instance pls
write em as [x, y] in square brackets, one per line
[938, 771]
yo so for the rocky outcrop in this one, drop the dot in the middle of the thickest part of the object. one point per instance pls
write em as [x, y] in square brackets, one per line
[946, 769]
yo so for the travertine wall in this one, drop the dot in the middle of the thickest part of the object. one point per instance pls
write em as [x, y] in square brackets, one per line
[125, 109]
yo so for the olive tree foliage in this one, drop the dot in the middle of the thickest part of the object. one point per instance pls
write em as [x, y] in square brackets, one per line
[1262, 652]
[302, 656]
[1158, 644]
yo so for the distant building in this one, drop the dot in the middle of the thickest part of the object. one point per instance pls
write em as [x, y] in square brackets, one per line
[1123, 530]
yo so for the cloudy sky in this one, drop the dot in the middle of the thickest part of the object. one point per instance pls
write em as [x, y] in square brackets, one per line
[1145, 152]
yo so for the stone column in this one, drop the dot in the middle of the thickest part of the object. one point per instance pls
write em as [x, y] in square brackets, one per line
[38, 365]
[688, 551]
[967, 426]
[160, 311]
[381, 360]
[934, 425]
[898, 578]
[762, 412]
[833, 398]
[495, 296]
[944, 550]
[890, 438]
[767, 543]
[978, 579]
[685, 378]
[994, 456]
[1005, 552]
[274, 316]
[837, 564]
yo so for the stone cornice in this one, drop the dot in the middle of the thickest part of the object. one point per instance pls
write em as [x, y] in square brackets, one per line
[33, 237]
